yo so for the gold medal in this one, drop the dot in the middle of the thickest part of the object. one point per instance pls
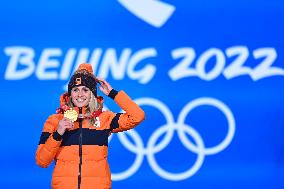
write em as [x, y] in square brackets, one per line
[71, 114]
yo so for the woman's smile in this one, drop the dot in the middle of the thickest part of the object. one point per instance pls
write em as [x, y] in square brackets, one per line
[80, 96]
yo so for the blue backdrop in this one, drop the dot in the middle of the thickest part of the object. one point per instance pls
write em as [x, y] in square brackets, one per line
[209, 75]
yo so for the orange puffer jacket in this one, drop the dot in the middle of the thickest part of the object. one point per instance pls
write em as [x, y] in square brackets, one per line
[81, 153]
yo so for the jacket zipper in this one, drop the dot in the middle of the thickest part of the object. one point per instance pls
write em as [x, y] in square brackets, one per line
[80, 150]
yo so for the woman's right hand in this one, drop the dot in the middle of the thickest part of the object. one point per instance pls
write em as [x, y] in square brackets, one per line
[64, 124]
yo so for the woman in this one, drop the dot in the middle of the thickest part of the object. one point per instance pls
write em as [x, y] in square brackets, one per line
[77, 136]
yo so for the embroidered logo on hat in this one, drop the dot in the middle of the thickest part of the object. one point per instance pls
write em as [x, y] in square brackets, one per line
[78, 81]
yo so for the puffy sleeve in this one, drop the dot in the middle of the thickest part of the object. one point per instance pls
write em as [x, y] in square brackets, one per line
[133, 115]
[49, 142]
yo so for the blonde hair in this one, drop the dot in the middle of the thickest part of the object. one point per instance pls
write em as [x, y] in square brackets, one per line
[93, 105]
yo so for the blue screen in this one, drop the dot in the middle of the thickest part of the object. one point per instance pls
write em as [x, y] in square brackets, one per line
[208, 74]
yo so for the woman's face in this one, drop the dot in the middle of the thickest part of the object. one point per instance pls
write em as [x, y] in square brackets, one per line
[80, 96]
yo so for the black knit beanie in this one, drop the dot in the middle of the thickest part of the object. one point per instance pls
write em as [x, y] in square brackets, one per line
[83, 77]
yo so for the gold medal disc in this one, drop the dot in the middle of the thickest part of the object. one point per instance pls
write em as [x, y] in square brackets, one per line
[71, 114]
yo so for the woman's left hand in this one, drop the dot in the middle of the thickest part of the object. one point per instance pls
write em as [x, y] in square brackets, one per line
[104, 86]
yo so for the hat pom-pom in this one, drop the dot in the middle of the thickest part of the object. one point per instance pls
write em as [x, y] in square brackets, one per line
[87, 67]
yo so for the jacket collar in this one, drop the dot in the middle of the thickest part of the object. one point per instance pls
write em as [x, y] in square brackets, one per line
[83, 110]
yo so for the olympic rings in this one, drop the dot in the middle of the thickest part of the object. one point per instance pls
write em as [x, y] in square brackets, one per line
[169, 129]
